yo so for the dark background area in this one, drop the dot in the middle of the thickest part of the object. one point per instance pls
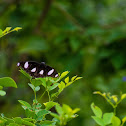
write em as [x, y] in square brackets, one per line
[85, 37]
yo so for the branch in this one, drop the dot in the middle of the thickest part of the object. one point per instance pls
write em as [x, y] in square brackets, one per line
[43, 15]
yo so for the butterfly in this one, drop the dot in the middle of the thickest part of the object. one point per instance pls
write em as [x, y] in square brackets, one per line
[36, 69]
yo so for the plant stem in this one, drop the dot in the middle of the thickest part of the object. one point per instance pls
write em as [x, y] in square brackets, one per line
[42, 95]
[35, 95]
[49, 96]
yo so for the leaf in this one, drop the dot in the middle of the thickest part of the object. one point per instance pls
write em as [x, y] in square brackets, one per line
[53, 86]
[59, 109]
[2, 93]
[67, 80]
[25, 73]
[17, 120]
[27, 123]
[98, 120]
[61, 86]
[7, 30]
[37, 88]
[54, 94]
[67, 109]
[64, 74]
[32, 86]
[43, 81]
[115, 121]
[123, 96]
[72, 79]
[46, 123]
[7, 82]
[107, 118]
[36, 82]
[49, 105]
[115, 98]
[55, 115]
[29, 113]
[124, 119]
[42, 112]
[68, 84]
[24, 103]
[97, 111]
[76, 110]
[17, 29]
[78, 78]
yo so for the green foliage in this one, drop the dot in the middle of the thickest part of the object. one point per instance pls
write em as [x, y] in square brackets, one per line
[6, 82]
[64, 114]
[86, 37]
[35, 114]
[108, 118]
[8, 30]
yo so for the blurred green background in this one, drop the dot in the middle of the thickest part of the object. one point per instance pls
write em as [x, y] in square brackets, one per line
[85, 37]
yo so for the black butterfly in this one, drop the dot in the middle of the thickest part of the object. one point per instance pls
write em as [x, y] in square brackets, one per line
[38, 69]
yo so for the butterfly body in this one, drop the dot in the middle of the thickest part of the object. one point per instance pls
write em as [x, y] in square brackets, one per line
[36, 69]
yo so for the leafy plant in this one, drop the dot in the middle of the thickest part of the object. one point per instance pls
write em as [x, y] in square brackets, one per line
[35, 113]
[8, 30]
[108, 118]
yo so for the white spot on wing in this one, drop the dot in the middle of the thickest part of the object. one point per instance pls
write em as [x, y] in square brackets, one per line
[50, 72]
[26, 65]
[18, 64]
[56, 75]
[41, 72]
[33, 70]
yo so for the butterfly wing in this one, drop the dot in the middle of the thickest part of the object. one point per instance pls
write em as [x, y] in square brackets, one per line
[38, 69]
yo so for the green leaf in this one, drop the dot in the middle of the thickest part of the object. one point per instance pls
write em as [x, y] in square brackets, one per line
[29, 113]
[78, 78]
[27, 123]
[67, 109]
[115, 121]
[7, 30]
[68, 84]
[32, 86]
[17, 29]
[18, 120]
[123, 96]
[29, 119]
[49, 105]
[61, 86]
[24, 103]
[64, 74]
[46, 123]
[37, 88]
[124, 120]
[59, 109]
[7, 82]
[43, 81]
[107, 118]
[55, 115]
[2, 93]
[54, 94]
[98, 120]
[72, 79]
[76, 110]
[25, 73]
[36, 82]
[13, 124]
[42, 112]
[67, 80]
[53, 86]
[97, 111]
